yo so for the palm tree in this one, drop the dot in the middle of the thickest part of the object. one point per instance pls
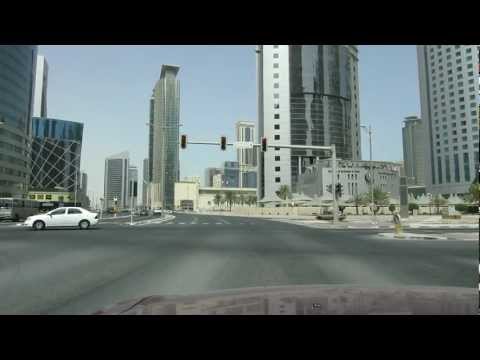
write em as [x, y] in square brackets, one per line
[217, 199]
[252, 200]
[438, 201]
[283, 192]
[229, 198]
[359, 200]
[242, 199]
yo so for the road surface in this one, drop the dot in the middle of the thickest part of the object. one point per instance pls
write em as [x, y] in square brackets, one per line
[79, 272]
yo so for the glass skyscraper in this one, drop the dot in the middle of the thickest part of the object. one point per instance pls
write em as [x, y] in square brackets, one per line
[164, 134]
[308, 95]
[17, 74]
[56, 154]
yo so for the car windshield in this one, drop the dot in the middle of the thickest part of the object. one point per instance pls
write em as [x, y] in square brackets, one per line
[195, 169]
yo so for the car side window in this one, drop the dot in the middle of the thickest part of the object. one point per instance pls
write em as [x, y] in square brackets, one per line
[58, 212]
[74, 211]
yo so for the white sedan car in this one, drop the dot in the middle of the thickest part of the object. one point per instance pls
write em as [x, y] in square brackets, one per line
[63, 217]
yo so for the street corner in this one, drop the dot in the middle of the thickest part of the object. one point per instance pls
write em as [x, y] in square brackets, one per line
[411, 236]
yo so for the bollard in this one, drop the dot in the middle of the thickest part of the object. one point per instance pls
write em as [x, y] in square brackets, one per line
[398, 223]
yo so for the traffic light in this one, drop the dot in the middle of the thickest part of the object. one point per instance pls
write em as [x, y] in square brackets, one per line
[183, 142]
[338, 190]
[264, 144]
[223, 143]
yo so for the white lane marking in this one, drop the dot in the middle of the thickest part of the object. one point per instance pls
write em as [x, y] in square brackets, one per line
[205, 223]
[182, 223]
[219, 223]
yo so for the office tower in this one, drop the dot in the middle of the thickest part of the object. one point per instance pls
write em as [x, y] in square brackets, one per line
[194, 179]
[413, 150]
[308, 95]
[17, 75]
[116, 181]
[209, 174]
[146, 180]
[40, 92]
[84, 183]
[449, 98]
[247, 158]
[231, 174]
[164, 135]
[56, 155]
[132, 185]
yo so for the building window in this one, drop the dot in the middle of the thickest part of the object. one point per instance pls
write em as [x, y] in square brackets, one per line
[457, 167]
[277, 179]
[276, 106]
[275, 46]
[465, 146]
[277, 137]
[275, 65]
[275, 56]
[440, 175]
[276, 75]
[40, 197]
[276, 96]
[277, 158]
[277, 168]
[464, 131]
[469, 50]
[276, 85]
[276, 126]
[466, 166]
[32, 197]
[277, 149]
[464, 138]
[48, 197]
[472, 97]
[459, 68]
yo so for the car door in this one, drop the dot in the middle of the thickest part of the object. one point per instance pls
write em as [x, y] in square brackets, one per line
[56, 217]
[73, 217]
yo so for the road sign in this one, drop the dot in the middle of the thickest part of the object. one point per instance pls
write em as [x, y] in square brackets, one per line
[243, 145]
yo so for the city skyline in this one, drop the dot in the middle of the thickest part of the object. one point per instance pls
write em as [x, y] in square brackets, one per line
[203, 112]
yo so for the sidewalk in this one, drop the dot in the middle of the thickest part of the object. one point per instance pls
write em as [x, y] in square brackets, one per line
[367, 222]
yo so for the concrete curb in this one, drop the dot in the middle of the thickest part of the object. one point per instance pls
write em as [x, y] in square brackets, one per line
[412, 236]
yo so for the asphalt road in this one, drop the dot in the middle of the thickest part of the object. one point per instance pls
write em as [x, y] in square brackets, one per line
[79, 272]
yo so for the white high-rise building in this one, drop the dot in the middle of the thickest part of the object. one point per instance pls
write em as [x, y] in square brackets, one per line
[246, 158]
[307, 95]
[40, 92]
[413, 150]
[449, 97]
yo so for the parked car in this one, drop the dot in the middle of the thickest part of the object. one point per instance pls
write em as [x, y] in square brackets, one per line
[144, 213]
[63, 217]
[157, 212]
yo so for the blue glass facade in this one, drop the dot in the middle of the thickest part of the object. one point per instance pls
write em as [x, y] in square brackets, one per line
[56, 153]
[17, 74]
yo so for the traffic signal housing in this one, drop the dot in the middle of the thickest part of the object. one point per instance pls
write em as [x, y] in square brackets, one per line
[264, 144]
[223, 143]
[338, 190]
[183, 142]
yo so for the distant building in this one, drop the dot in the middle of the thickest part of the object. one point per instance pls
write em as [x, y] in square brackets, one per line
[186, 195]
[146, 181]
[164, 166]
[231, 174]
[249, 179]
[56, 155]
[449, 99]
[17, 76]
[195, 179]
[414, 150]
[246, 158]
[354, 177]
[40, 92]
[209, 173]
[217, 181]
[116, 181]
[132, 186]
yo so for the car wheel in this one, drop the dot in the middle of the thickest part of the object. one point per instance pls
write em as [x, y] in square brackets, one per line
[38, 225]
[84, 225]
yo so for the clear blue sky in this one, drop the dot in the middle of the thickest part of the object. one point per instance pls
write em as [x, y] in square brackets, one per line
[108, 89]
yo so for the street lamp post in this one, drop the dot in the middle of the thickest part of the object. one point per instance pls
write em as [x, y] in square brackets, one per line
[369, 131]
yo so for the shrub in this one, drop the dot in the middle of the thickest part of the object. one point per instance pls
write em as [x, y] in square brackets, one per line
[461, 208]
[412, 206]
[391, 207]
[466, 209]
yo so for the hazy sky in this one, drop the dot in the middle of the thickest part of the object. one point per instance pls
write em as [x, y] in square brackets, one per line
[108, 89]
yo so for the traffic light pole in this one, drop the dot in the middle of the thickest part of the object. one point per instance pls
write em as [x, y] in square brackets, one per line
[295, 147]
